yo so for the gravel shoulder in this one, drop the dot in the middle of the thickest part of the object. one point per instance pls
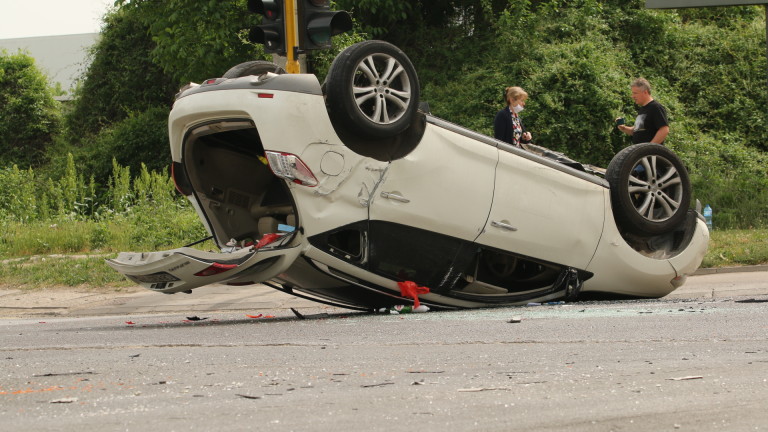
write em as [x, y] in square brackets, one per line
[55, 301]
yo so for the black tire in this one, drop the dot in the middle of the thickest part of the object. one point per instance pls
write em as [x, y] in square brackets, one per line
[256, 67]
[372, 90]
[650, 189]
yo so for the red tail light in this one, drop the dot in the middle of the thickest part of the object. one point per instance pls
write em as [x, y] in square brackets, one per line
[290, 167]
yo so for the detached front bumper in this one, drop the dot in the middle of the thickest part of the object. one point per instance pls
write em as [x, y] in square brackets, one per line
[183, 269]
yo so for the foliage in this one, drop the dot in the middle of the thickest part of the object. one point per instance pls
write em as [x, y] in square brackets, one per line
[29, 116]
[141, 138]
[726, 175]
[66, 215]
[120, 80]
[54, 271]
[719, 74]
[196, 39]
[728, 248]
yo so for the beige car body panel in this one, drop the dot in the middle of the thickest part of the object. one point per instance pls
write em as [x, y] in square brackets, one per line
[535, 213]
[444, 186]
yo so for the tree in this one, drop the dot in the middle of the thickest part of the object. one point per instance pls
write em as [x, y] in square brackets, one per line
[196, 39]
[121, 79]
[29, 116]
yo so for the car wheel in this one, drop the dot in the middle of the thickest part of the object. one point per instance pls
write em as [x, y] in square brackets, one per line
[256, 67]
[650, 189]
[372, 90]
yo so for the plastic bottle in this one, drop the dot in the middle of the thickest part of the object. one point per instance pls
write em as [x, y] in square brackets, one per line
[707, 213]
[401, 309]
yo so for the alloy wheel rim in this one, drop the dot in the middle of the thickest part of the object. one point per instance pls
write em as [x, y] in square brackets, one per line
[381, 88]
[655, 188]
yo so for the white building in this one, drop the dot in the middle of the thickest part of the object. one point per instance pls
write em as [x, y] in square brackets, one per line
[62, 58]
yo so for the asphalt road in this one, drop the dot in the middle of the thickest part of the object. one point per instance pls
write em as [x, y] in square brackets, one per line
[695, 361]
[695, 364]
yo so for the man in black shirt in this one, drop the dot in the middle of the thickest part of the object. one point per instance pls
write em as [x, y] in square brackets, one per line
[651, 124]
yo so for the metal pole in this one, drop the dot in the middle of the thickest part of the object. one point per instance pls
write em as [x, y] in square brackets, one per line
[291, 47]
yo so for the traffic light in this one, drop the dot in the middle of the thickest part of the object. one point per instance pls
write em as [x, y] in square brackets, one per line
[271, 32]
[317, 24]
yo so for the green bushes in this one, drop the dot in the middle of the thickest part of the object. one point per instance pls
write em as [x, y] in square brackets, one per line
[729, 177]
[29, 117]
[120, 80]
[69, 215]
[141, 138]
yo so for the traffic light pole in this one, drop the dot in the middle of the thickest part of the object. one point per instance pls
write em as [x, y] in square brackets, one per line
[291, 46]
[280, 33]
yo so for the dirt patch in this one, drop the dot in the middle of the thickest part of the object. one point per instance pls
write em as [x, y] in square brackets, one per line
[58, 301]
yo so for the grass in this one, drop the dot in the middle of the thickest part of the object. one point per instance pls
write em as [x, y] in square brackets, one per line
[728, 248]
[86, 272]
[71, 253]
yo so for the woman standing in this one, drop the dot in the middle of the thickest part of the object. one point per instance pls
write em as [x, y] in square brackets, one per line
[507, 125]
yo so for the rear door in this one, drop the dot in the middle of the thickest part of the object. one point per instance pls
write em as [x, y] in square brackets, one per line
[545, 213]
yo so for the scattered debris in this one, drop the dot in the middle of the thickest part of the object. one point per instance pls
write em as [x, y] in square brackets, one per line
[196, 318]
[376, 385]
[418, 383]
[515, 320]
[247, 396]
[402, 309]
[64, 400]
[549, 303]
[64, 374]
[315, 316]
[481, 389]
[686, 378]
[130, 322]
[134, 355]
[254, 316]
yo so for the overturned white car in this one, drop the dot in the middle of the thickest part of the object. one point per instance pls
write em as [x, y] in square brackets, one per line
[337, 192]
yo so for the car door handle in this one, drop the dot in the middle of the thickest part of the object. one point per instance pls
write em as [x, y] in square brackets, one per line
[503, 225]
[395, 197]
